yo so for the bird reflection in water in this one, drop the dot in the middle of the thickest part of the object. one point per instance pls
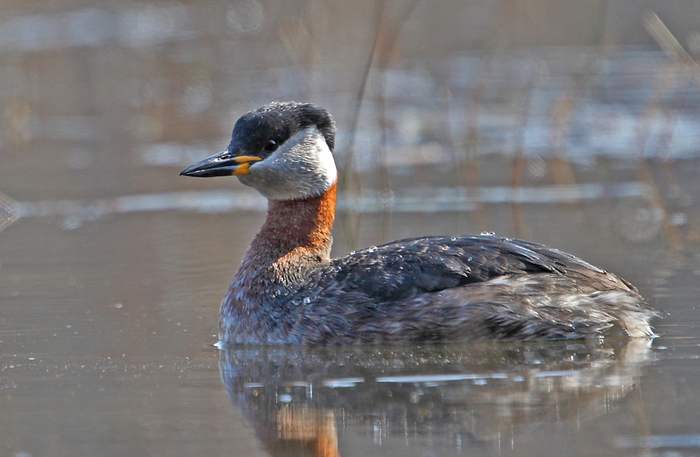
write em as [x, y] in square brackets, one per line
[302, 401]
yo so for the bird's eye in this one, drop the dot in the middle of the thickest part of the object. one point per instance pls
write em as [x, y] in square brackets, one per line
[271, 146]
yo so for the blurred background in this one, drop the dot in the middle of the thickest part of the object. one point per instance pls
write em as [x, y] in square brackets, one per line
[440, 107]
[575, 124]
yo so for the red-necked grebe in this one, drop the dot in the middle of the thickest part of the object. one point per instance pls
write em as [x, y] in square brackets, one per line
[288, 290]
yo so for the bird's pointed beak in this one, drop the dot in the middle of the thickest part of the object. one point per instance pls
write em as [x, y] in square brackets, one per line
[221, 164]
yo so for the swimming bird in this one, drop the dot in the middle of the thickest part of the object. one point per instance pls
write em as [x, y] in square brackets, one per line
[288, 289]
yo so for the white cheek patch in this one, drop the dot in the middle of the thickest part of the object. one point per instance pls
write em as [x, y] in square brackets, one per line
[301, 167]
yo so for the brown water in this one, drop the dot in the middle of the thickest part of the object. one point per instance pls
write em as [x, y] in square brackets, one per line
[112, 267]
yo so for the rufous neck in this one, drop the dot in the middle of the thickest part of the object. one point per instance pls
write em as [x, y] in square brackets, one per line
[301, 226]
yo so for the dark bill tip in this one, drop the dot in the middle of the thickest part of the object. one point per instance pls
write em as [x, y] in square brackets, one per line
[220, 164]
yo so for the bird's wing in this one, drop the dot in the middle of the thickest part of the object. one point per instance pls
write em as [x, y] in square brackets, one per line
[403, 269]
[448, 288]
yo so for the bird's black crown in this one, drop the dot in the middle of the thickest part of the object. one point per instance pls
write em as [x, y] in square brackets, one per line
[258, 132]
